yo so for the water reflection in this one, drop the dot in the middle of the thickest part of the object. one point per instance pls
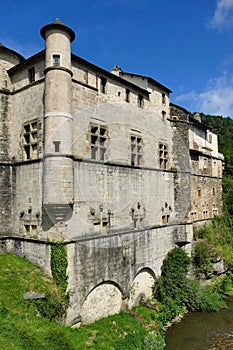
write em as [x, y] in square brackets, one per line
[203, 331]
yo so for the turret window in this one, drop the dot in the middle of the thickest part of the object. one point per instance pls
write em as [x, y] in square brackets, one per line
[56, 60]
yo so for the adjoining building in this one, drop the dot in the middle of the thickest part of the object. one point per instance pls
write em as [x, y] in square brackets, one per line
[104, 162]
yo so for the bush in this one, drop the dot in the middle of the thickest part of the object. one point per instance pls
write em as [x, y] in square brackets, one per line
[202, 258]
[153, 342]
[176, 292]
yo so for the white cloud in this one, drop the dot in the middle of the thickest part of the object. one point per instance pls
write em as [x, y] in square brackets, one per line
[223, 15]
[215, 99]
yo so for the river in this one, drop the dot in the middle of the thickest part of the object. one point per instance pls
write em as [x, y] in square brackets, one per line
[203, 331]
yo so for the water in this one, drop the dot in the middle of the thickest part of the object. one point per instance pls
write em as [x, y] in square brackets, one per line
[203, 331]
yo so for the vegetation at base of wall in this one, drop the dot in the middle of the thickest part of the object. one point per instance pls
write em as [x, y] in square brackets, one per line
[24, 327]
[59, 264]
[177, 293]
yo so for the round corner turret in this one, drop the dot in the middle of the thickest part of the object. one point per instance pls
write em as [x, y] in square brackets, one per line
[57, 25]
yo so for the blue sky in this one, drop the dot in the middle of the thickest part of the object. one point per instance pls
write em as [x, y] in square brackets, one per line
[187, 45]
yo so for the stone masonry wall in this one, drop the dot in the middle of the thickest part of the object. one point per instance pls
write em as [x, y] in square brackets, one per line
[115, 259]
[5, 169]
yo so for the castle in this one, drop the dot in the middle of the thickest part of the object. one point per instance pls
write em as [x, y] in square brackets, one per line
[104, 162]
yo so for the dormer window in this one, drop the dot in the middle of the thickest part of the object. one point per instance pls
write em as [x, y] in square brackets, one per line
[56, 60]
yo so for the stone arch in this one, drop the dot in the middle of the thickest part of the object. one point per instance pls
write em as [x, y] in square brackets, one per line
[103, 300]
[141, 287]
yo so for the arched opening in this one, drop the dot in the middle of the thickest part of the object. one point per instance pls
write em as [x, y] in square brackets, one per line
[104, 300]
[141, 287]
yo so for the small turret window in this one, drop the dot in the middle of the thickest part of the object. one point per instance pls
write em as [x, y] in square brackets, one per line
[56, 60]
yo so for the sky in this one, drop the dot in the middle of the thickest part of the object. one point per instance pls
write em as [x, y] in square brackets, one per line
[186, 45]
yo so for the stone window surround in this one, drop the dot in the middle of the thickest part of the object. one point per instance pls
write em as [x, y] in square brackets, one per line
[163, 155]
[98, 140]
[30, 143]
[136, 146]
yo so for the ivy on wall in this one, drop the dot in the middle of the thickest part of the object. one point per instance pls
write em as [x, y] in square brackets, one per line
[59, 264]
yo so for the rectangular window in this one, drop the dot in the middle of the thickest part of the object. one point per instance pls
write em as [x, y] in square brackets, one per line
[163, 116]
[163, 156]
[127, 95]
[136, 150]
[30, 140]
[163, 98]
[31, 74]
[165, 219]
[98, 140]
[56, 146]
[140, 101]
[56, 60]
[103, 82]
[205, 163]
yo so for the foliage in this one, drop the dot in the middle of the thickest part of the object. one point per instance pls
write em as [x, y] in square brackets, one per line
[59, 264]
[177, 292]
[23, 327]
[202, 258]
[153, 341]
[217, 234]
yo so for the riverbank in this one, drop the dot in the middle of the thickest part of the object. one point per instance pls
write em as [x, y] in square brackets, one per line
[203, 331]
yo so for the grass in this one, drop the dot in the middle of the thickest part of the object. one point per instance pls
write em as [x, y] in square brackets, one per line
[29, 324]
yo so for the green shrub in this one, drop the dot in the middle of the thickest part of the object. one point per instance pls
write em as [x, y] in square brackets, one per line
[202, 258]
[153, 341]
[210, 300]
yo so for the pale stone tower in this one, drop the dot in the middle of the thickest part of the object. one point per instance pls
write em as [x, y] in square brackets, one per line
[58, 162]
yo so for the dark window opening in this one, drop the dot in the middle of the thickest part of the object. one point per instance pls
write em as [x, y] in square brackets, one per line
[165, 219]
[127, 95]
[56, 146]
[163, 98]
[31, 74]
[140, 101]
[56, 60]
[103, 82]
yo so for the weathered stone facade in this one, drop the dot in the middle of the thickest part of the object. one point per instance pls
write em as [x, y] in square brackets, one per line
[104, 162]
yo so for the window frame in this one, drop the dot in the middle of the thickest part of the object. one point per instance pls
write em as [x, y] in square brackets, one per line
[30, 140]
[163, 156]
[31, 75]
[103, 84]
[136, 150]
[98, 141]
